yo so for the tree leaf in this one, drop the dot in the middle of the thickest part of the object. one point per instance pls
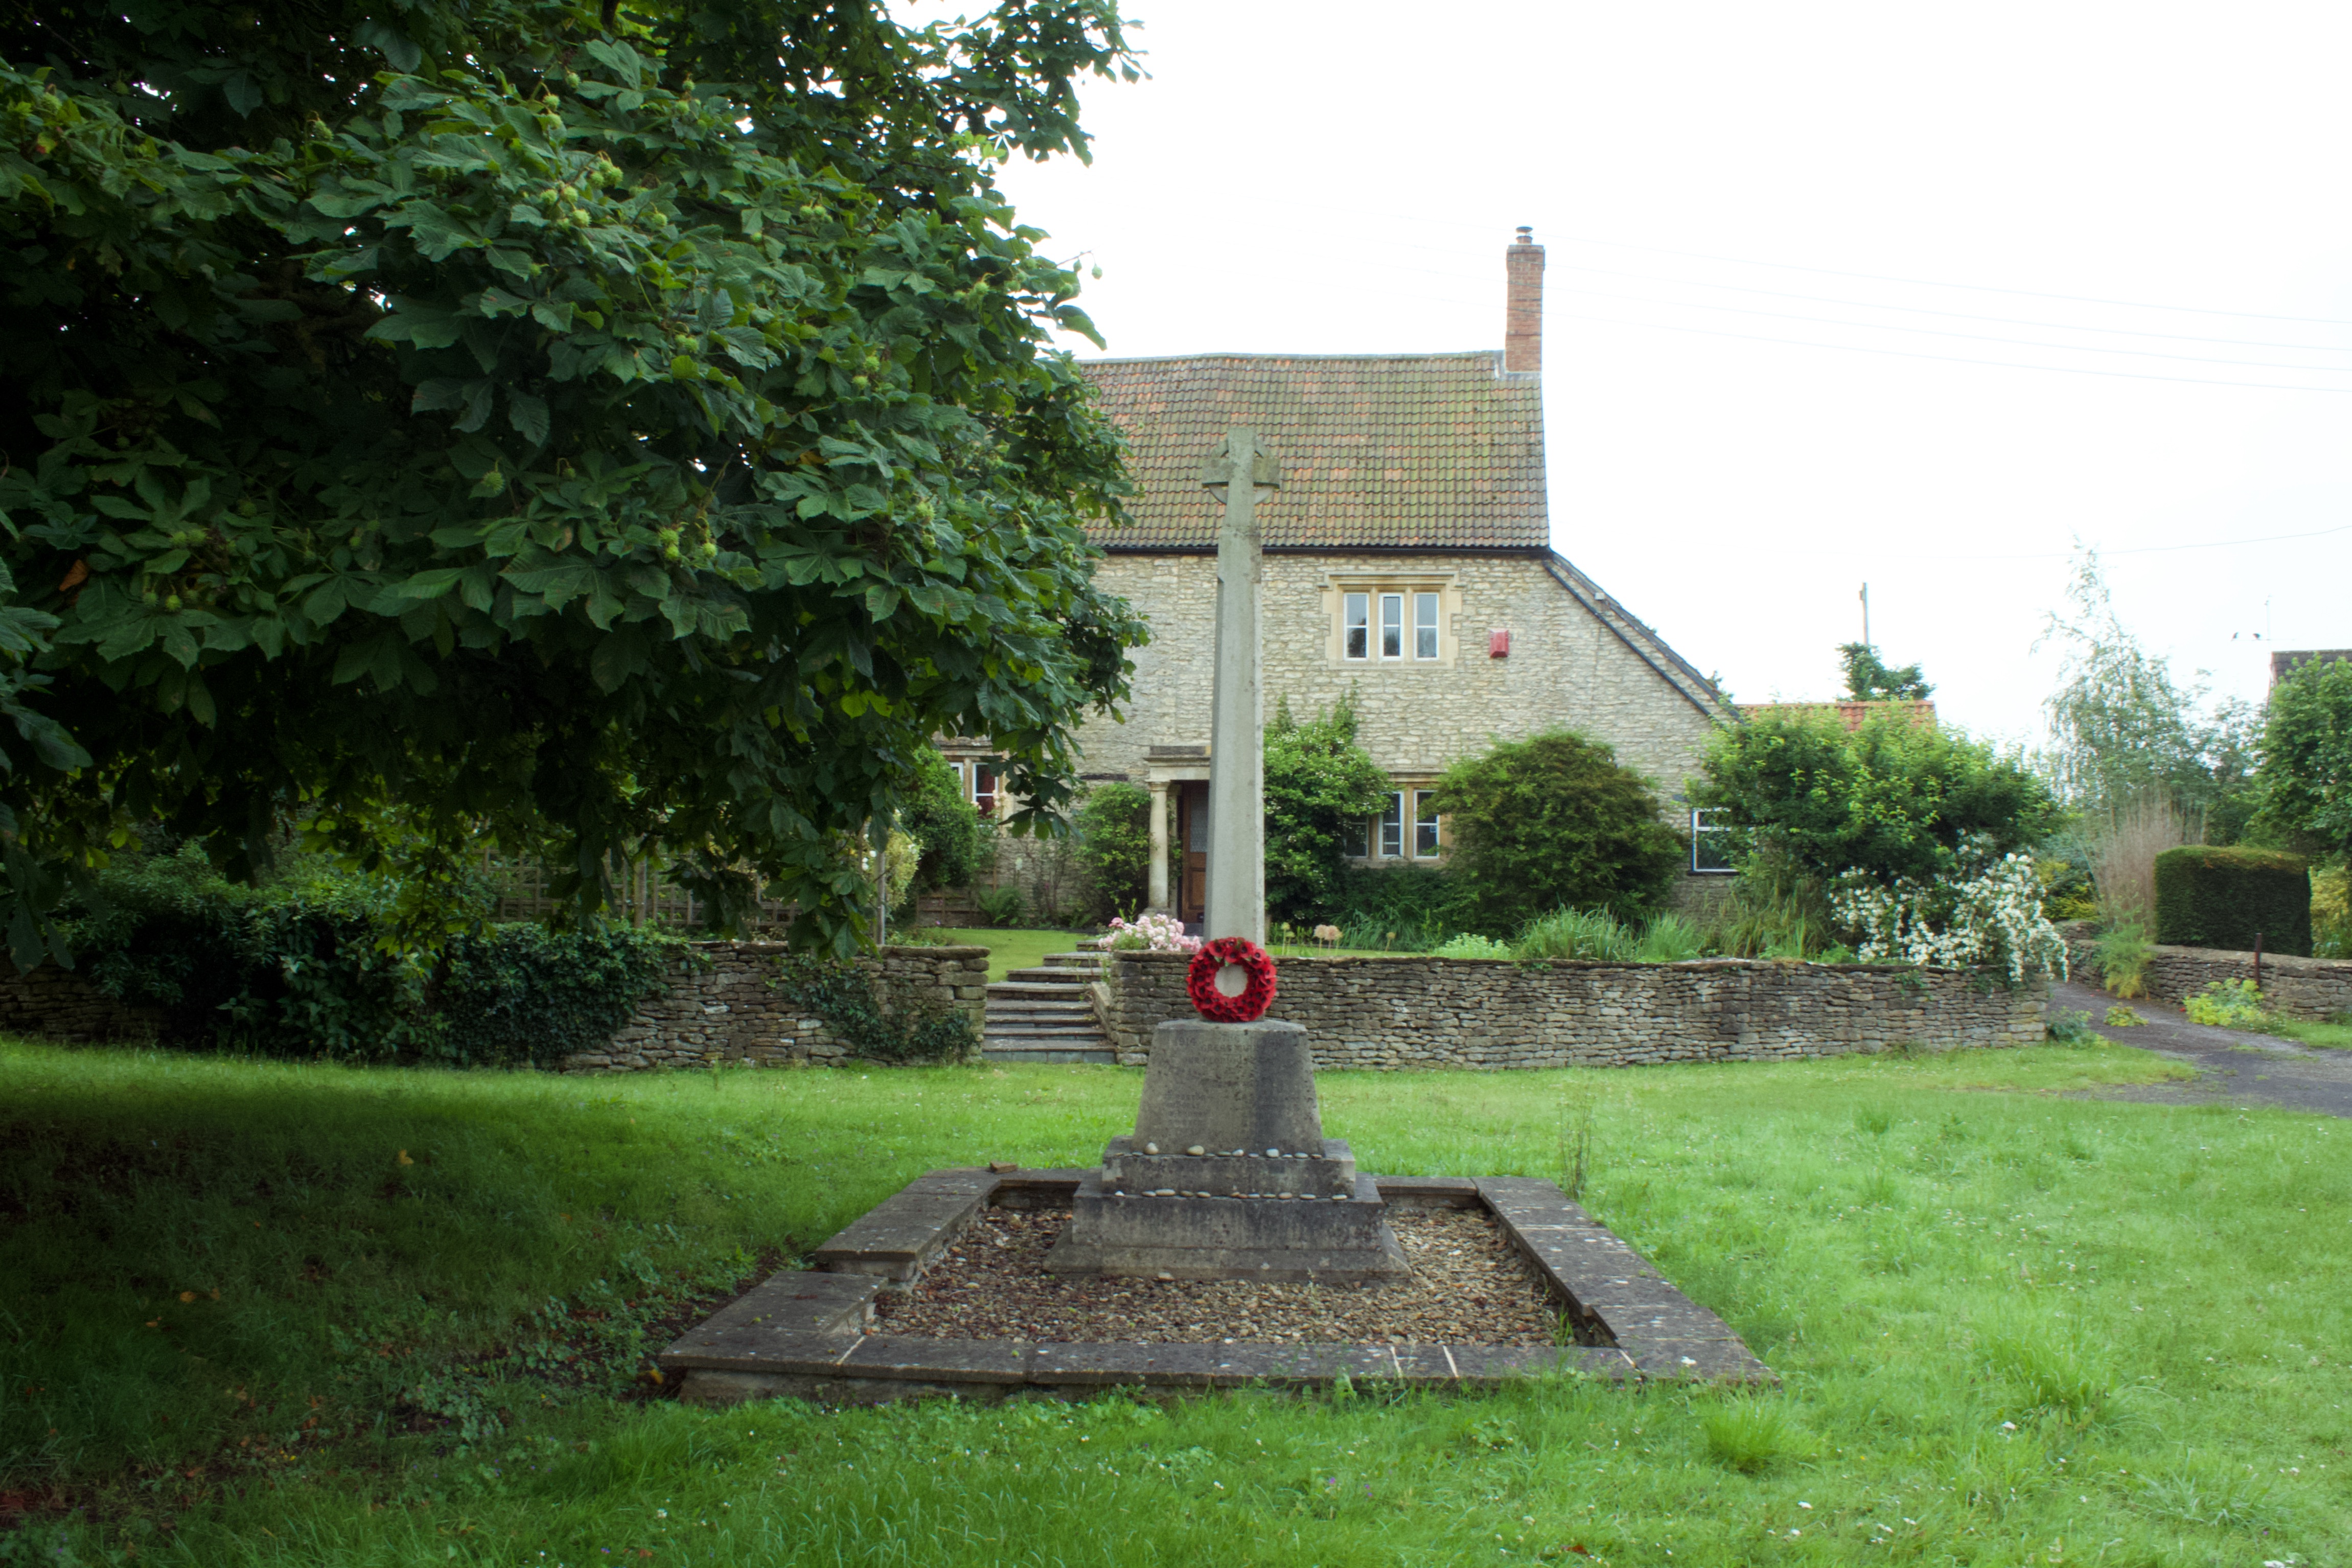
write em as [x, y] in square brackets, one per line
[395, 46]
[527, 413]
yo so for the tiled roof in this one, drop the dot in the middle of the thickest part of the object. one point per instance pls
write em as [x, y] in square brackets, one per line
[1378, 452]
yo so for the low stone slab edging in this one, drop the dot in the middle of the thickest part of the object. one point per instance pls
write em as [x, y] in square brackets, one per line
[807, 1334]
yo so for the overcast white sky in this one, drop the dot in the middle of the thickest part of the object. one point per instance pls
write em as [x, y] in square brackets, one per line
[1776, 236]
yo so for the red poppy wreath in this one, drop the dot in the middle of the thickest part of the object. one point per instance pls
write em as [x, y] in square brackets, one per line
[1201, 980]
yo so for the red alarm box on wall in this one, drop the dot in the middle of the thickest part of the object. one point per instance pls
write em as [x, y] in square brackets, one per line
[1498, 645]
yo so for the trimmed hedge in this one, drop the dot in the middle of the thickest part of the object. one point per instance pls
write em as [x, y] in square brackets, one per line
[2211, 895]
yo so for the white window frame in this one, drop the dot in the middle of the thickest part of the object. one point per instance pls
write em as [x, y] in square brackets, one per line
[1424, 625]
[1393, 625]
[1388, 829]
[1356, 626]
[1428, 829]
[1701, 827]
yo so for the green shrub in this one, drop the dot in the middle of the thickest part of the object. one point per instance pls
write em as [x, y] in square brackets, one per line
[1591, 935]
[847, 998]
[2123, 951]
[1320, 787]
[288, 969]
[2215, 896]
[2230, 1005]
[1671, 939]
[955, 842]
[1114, 845]
[1554, 821]
[2072, 1027]
[2331, 914]
[1473, 946]
[512, 994]
[2068, 893]
[310, 964]
[1395, 908]
[1777, 910]
[1893, 798]
[1001, 905]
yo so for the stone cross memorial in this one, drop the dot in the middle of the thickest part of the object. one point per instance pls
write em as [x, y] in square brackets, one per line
[1228, 1174]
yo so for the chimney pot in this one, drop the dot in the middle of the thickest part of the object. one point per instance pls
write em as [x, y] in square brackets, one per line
[1523, 265]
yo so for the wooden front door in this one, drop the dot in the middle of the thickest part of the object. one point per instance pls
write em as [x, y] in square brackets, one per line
[1192, 837]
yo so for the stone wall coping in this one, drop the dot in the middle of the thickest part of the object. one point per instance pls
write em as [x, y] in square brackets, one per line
[1685, 966]
[889, 950]
[2285, 962]
[2085, 933]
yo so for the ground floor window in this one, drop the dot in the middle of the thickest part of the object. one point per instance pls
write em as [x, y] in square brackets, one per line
[1408, 826]
[980, 784]
[1711, 843]
[1425, 823]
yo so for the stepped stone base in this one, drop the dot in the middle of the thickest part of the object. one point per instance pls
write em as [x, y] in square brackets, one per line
[1277, 1239]
[1264, 1197]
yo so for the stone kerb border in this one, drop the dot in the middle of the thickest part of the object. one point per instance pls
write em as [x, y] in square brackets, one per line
[2314, 990]
[1418, 1011]
[809, 1335]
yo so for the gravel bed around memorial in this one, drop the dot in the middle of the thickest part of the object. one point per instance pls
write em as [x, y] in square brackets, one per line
[1469, 1286]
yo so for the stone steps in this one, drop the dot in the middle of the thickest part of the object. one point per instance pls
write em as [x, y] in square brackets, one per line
[1045, 1014]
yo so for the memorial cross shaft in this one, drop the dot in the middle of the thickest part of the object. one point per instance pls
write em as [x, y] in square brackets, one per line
[1227, 1175]
[1237, 469]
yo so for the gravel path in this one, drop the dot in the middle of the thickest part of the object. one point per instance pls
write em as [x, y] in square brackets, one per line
[1469, 1286]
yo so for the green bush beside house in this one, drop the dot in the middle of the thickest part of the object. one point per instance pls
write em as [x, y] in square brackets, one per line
[1554, 821]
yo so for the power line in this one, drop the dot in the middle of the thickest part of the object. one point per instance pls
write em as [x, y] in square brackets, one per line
[1955, 315]
[2161, 549]
[1951, 359]
[1970, 336]
[1423, 220]
[1454, 277]
[1971, 288]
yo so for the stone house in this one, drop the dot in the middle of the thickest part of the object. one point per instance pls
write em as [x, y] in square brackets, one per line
[1408, 562]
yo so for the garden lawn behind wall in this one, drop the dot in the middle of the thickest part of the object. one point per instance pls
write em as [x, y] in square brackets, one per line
[2013, 1326]
[1010, 948]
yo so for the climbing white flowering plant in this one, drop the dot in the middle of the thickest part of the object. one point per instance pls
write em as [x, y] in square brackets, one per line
[1986, 916]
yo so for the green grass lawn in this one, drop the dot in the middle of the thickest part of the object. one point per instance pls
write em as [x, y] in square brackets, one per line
[1011, 949]
[272, 1313]
[2336, 1037]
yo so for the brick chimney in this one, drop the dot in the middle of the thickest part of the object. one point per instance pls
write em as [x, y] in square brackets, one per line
[1523, 315]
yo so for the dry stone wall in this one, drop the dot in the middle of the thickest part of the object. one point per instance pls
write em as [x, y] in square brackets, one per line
[2315, 990]
[1386, 1014]
[53, 1004]
[721, 1006]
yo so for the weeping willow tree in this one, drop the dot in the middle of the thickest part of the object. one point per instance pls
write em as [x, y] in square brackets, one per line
[2143, 762]
[2122, 729]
